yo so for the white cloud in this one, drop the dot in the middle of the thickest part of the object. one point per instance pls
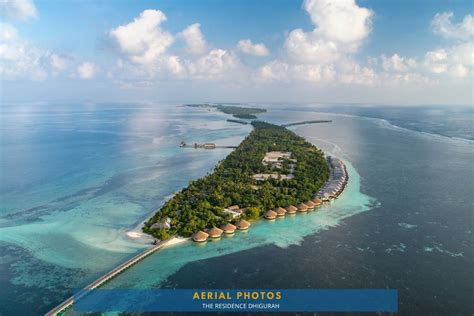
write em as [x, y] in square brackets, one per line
[309, 48]
[463, 53]
[443, 25]
[274, 70]
[87, 70]
[247, 47]
[397, 63]
[340, 27]
[142, 40]
[436, 61]
[58, 63]
[340, 21]
[215, 64]
[18, 9]
[458, 70]
[350, 72]
[457, 61]
[19, 58]
[194, 39]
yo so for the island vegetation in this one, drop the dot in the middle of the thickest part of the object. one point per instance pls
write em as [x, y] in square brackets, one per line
[241, 112]
[201, 204]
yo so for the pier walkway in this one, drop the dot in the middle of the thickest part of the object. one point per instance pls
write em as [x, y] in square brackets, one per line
[106, 277]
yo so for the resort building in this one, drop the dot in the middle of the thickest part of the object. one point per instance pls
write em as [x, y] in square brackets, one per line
[291, 209]
[317, 202]
[302, 207]
[228, 228]
[310, 205]
[280, 211]
[200, 236]
[266, 176]
[209, 146]
[273, 157]
[166, 224]
[234, 211]
[270, 214]
[215, 232]
[243, 225]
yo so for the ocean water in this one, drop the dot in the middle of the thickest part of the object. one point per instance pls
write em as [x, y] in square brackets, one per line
[77, 178]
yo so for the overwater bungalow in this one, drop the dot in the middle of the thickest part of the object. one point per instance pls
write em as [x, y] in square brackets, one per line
[270, 215]
[215, 232]
[280, 211]
[317, 202]
[302, 207]
[310, 205]
[291, 209]
[228, 228]
[200, 236]
[243, 225]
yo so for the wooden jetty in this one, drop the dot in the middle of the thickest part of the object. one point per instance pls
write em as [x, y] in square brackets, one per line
[106, 277]
[306, 122]
[205, 146]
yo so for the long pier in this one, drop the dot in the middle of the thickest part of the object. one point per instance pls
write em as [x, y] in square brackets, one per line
[106, 277]
[205, 146]
[306, 122]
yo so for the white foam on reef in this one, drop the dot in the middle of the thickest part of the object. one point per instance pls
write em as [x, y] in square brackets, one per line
[283, 233]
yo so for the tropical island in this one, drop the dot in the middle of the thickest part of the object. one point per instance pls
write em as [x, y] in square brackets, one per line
[272, 168]
[241, 112]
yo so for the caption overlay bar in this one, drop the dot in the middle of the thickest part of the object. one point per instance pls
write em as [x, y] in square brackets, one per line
[235, 300]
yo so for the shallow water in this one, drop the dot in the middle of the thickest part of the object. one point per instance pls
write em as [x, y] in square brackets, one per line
[76, 178]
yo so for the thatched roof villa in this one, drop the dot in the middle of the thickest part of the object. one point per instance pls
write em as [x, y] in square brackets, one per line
[317, 202]
[215, 232]
[200, 236]
[228, 228]
[243, 225]
[270, 214]
[310, 205]
[302, 207]
[291, 209]
[280, 211]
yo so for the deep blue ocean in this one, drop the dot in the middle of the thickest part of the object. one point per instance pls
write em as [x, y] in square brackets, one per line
[77, 180]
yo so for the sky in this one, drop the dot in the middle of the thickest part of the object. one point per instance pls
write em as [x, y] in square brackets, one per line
[405, 52]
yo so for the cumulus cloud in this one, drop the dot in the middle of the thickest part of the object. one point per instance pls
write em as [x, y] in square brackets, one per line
[247, 47]
[58, 63]
[323, 54]
[340, 21]
[436, 61]
[149, 55]
[340, 28]
[194, 39]
[443, 25]
[143, 40]
[19, 59]
[397, 63]
[274, 70]
[216, 63]
[87, 70]
[456, 60]
[18, 9]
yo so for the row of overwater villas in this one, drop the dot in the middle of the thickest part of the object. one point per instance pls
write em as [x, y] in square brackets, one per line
[337, 180]
[332, 189]
[215, 233]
